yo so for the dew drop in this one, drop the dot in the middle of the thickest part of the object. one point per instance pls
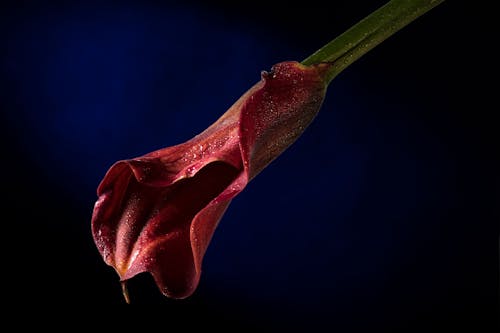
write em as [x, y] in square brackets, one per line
[190, 170]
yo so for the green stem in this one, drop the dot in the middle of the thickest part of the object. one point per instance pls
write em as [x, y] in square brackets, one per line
[368, 33]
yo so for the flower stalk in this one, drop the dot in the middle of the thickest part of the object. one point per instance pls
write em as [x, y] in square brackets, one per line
[368, 33]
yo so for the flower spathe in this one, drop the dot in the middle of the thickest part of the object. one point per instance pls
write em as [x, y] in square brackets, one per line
[157, 213]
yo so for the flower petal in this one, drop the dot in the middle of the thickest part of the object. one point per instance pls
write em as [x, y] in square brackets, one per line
[165, 230]
[274, 117]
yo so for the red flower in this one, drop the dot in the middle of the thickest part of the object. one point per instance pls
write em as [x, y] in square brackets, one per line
[157, 213]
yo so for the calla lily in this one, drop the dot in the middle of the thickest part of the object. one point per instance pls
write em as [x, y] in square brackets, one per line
[157, 213]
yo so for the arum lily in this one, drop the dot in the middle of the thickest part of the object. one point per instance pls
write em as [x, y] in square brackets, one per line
[157, 213]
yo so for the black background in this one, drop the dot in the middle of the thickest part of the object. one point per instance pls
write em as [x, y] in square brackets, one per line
[420, 108]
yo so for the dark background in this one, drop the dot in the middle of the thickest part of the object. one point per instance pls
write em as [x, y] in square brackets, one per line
[383, 216]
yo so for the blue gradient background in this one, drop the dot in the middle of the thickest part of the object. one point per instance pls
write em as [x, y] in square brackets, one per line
[382, 216]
